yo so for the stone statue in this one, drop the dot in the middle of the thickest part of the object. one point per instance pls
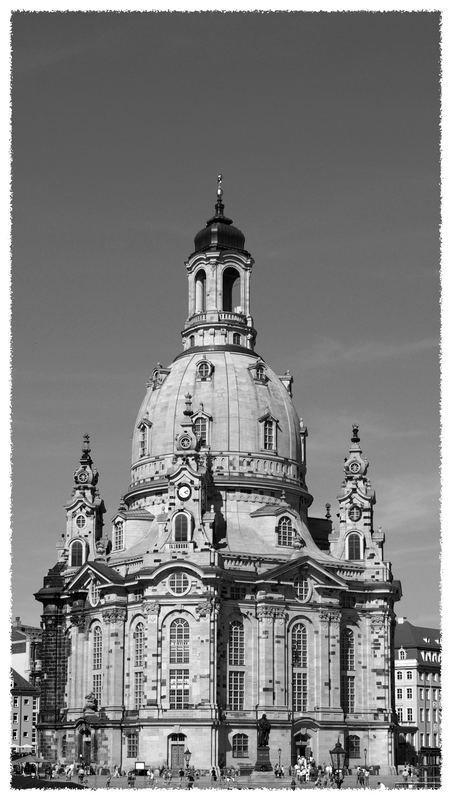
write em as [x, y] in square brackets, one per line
[263, 731]
[90, 702]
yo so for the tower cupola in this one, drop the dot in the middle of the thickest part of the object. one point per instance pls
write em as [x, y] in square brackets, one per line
[219, 273]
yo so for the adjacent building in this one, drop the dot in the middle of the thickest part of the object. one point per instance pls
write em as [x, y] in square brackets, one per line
[24, 714]
[417, 664]
[215, 597]
[26, 651]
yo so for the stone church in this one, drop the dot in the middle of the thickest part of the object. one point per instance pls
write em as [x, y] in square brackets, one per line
[214, 598]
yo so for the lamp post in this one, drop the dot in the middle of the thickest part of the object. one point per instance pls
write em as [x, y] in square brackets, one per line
[279, 757]
[365, 758]
[337, 755]
[187, 756]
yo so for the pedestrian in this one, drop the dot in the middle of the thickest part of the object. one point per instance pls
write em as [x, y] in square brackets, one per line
[213, 774]
[293, 785]
[381, 785]
[405, 774]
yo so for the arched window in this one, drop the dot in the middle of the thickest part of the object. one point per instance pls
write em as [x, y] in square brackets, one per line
[352, 746]
[192, 341]
[269, 435]
[399, 676]
[299, 667]
[77, 554]
[200, 430]
[236, 644]
[236, 338]
[200, 291]
[179, 641]
[181, 528]
[231, 289]
[118, 535]
[143, 441]
[240, 745]
[138, 640]
[97, 664]
[285, 531]
[354, 547]
[347, 662]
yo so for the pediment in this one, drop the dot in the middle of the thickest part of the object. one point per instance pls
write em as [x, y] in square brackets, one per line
[270, 510]
[318, 572]
[104, 575]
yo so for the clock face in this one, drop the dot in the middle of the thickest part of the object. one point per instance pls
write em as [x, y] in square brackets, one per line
[184, 491]
[83, 477]
[354, 467]
[185, 442]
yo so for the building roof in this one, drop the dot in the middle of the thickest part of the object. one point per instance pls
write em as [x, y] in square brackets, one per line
[408, 635]
[20, 686]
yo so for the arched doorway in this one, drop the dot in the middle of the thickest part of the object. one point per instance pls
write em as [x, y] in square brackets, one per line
[84, 745]
[231, 289]
[176, 748]
[302, 745]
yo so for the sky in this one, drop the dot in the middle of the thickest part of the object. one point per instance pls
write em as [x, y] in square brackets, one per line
[325, 127]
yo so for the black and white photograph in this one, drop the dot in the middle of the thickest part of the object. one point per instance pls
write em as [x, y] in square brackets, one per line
[225, 399]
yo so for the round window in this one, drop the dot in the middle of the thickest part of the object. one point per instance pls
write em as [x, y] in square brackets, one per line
[204, 369]
[354, 513]
[179, 583]
[80, 521]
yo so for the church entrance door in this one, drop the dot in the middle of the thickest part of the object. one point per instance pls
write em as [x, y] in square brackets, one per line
[177, 755]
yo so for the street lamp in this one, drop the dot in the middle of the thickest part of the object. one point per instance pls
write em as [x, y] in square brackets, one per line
[337, 756]
[187, 756]
[365, 758]
[279, 756]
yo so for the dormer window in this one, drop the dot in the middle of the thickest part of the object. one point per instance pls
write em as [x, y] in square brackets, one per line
[285, 532]
[94, 593]
[268, 432]
[118, 541]
[200, 431]
[144, 428]
[258, 372]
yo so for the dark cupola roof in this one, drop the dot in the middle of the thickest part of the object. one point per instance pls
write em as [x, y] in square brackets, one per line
[219, 233]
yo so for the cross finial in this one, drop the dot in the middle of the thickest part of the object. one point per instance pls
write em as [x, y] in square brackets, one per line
[355, 437]
[328, 512]
[85, 447]
[219, 206]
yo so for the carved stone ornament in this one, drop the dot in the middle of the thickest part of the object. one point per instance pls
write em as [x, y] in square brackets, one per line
[114, 615]
[208, 606]
[270, 612]
[79, 621]
[329, 615]
[151, 608]
[378, 621]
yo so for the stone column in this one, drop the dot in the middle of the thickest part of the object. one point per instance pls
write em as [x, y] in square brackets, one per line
[151, 610]
[79, 658]
[114, 634]
[266, 664]
[326, 673]
[280, 678]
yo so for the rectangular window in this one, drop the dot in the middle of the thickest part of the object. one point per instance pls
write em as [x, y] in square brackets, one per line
[97, 687]
[421, 715]
[138, 689]
[268, 435]
[14, 735]
[400, 714]
[236, 690]
[25, 717]
[421, 694]
[427, 740]
[35, 702]
[16, 717]
[409, 675]
[421, 739]
[26, 702]
[409, 714]
[240, 746]
[427, 715]
[179, 688]
[435, 694]
[435, 740]
[409, 694]
[15, 702]
[299, 690]
[399, 694]
[25, 734]
[435, 715]
[238, 592]
[132, 745]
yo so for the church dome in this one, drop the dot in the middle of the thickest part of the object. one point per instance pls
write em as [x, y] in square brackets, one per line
[241, 401]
